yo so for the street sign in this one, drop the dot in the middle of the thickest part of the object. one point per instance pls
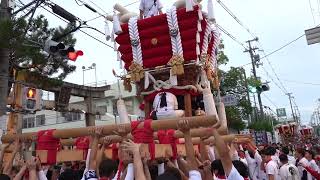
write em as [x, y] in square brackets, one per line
[229, 100]
[313, 35]
[281, 112]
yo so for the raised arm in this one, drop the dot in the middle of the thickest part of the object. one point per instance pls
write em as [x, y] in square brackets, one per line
[194, 173]
[223, 152]
[137, 163]
[3, 148]
[8, 166]
[32, 167]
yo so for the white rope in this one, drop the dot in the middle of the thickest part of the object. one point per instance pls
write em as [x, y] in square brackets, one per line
[206, 39]
[178, 37]
[159, 85]
[171, 28]
[135, 40]
[216, 38]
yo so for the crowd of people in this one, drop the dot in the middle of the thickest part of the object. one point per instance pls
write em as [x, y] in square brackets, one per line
[223, 160]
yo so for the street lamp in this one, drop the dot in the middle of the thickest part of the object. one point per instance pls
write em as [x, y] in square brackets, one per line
[93, 66]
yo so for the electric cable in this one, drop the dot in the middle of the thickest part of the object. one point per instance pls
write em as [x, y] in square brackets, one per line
[270, 100]
[231, 36]
[111, 12]
[79, 29]
[314, 20]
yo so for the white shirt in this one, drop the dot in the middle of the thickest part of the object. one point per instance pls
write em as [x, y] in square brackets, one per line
[253, 166]
[172, 104]
[300, 168]
[150, 7]
[313, 166]
[291, 160]
[261, 174]
[273, 169]
[234, 174]
[194, 175]
[285, 173]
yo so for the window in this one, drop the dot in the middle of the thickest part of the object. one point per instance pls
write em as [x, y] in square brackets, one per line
[41, 120]
[71, 116]
[28, 122]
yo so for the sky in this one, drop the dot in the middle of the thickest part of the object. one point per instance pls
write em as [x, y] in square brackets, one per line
[274, 22]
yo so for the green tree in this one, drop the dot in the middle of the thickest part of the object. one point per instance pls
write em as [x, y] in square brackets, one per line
[233, 83]
[264, 124]
[26, 45]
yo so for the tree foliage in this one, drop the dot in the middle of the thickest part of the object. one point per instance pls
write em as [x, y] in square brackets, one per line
[26, 45]
[233, 83]
[264, 124]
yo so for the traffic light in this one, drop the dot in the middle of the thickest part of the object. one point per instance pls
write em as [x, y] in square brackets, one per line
[32, 99]
[74, 55]
[60, 49]
[263, 87]
[53, 47]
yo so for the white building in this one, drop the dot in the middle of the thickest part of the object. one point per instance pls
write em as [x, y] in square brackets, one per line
[106, 106]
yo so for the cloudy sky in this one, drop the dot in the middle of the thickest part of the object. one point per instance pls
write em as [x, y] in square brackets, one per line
[274, 22]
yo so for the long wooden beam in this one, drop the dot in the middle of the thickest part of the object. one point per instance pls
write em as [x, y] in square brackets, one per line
[194, 122]
[195, 140]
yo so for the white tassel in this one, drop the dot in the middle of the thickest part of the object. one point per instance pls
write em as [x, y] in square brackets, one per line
[118, 56]
[173, 79]
[199, 26]
[210, 11]
[222, 116]
[200, 14]
[122, 111]
[107, 31]
[115, 47]
[197, 49]
[198, 37]
[209, 104]
[112, 36]
[146, 80]
[116, 24]
[189, 5]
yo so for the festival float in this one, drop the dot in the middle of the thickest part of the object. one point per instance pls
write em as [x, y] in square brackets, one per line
[171, 58]
[288, 132]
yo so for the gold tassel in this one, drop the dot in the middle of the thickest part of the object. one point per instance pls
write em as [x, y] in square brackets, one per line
[176, 62]
[205, 59]
[216, 83]
[136, 72]
[127, 84]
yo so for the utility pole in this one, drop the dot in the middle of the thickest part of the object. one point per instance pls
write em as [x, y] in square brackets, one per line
[251, 51]
[293, 115]
[5, 15]
[244, 78]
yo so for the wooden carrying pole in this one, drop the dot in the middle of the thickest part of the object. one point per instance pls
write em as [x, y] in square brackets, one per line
[196, 140]
[194, 122]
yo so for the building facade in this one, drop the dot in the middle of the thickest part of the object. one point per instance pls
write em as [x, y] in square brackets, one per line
[105, 107]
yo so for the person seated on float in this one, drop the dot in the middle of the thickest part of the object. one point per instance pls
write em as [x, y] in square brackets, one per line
[149, 8]
[165, 105]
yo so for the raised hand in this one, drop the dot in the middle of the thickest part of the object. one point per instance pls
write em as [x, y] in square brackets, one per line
[183, 126]
[107, 141]
[131, 146]
[121, 130]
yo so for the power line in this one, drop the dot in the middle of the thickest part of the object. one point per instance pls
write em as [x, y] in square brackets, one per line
[283, 90]
[299, 82]
[98, 7]
[79, 29]
[270, 101]
[234, 17]
[111, 11]
[314, 20]
[231, 36]
[274, 72]
[247, 29]
[283, 46]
